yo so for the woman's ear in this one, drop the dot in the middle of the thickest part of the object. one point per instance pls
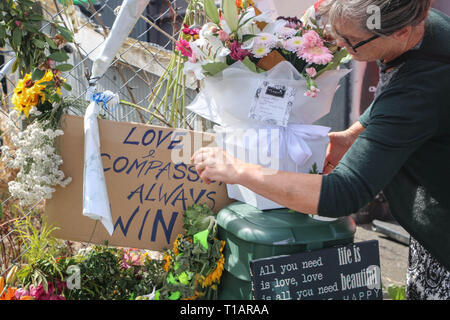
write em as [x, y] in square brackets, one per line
[403, 34]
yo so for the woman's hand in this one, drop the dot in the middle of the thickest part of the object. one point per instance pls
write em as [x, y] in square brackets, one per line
[339, 144]
[214, 164]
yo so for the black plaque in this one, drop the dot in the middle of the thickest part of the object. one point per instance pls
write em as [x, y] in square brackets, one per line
[350, 272]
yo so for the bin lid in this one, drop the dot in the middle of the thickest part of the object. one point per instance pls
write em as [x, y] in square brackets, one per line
[281, 226]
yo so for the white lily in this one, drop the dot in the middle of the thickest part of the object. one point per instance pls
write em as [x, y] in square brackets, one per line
[309, 14]
[208, 47]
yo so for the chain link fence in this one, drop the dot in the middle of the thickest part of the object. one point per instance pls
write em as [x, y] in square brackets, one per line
[133, 74]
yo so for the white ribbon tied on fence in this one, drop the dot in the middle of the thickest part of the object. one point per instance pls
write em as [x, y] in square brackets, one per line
[95, 194]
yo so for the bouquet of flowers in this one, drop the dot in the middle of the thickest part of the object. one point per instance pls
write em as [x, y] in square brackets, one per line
[265, 81]
[240, 32]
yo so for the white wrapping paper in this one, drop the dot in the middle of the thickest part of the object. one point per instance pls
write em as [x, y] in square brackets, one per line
[296, 148]
[227, 97]
[95, 194]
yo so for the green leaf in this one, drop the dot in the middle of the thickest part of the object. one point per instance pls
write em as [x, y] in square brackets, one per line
[64, 67]
[59, 56]
[247, 37]
[1, 211]
[37, 74]
[251, 66]
[39, 43]
[175, 295]
[15, 65]
[67, 87]
[211, 11]
[214, 67]
[2, 31]
[16, 37]
[51, 43]
[65, 33]
[202, 238]
[231, 15]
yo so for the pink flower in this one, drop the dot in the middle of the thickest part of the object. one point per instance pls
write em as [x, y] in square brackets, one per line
[318, 4]
[311, 72]
[21, 292]
[312, 39]
[223, 36]
[56, 297]
[190, 31]
[316, 55]
[36, 292]
[184, 47]
[18, 23]
[237, 53]
[193, 58]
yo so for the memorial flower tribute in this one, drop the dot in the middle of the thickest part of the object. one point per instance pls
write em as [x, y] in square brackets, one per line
[191, 269]
[290, 68]
[37, 101]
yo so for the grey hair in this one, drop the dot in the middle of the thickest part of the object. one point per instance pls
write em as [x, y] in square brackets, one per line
[394, 14]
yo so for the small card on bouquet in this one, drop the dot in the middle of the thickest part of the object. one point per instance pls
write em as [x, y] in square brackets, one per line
[272, 103]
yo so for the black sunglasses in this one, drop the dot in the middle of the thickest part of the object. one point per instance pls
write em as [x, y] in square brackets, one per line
[361, 43]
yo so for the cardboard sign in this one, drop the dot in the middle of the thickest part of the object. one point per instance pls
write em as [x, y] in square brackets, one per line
[350, 272]
[150, 182]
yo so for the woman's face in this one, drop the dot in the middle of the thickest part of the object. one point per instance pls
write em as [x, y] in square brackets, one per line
[348, 34]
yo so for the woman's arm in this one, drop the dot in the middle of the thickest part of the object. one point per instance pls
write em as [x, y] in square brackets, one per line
[297, 191]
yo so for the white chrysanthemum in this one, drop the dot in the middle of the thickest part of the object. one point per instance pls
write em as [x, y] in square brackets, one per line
[260, 51]
[286, 33]
[294, 44]
[37, 161]
[266, 39]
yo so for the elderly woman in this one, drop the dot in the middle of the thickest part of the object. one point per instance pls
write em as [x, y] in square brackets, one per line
[399, 145]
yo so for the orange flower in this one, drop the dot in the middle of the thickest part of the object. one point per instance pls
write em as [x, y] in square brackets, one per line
[10, 294]
[240, 4]
[216, 274]
[26, 298]
[167, 260]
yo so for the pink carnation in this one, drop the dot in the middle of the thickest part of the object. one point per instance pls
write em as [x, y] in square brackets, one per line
[237, 53]
[311, 72]
[184, 47]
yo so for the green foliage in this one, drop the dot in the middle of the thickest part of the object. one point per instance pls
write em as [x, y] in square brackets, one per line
[40, 258]
[313, 169]
[396, 292]
[197, 218]
[104, 277]
[20, 25]
[53, 113]
[194, 265]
